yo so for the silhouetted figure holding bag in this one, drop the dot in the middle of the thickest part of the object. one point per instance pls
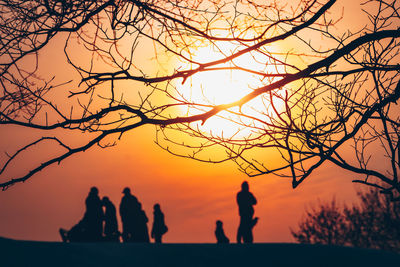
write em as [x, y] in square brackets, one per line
[93, 218]
[159, 228]
[140, 230]
[246, 201]
[129, 211]
[220, 234]
[110, 221]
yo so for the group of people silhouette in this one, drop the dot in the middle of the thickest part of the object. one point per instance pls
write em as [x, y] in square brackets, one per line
[100, 224]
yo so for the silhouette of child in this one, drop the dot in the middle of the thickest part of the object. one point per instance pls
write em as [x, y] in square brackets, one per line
[219, 233]
[111, 232]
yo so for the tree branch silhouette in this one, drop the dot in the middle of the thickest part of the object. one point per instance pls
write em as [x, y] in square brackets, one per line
[316, 102]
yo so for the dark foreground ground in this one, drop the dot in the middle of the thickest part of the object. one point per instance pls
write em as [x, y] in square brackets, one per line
[31, 253]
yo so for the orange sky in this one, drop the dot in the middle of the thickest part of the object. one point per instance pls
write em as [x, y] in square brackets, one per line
[192, 195]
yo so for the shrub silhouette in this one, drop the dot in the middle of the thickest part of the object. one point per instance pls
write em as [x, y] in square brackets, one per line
[372, 223]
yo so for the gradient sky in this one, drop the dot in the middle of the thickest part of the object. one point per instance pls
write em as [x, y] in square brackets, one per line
[192, 195]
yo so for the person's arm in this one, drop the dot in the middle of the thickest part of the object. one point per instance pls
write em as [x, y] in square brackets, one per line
[162, 219]
[121, 209]
[254, 199]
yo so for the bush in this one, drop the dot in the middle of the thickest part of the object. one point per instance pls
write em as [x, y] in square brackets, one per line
[373, 223]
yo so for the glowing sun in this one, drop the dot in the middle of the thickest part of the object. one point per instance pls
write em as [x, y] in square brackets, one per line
[223, 84]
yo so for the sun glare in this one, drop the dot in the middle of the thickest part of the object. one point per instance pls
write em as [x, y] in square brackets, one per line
[225, 84]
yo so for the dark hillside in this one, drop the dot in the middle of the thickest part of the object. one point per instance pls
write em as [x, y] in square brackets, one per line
[31, 253]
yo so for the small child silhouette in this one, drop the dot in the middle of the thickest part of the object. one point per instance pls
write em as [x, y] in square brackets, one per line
[219, 233]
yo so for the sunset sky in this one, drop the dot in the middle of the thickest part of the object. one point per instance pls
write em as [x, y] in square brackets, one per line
[192, 195]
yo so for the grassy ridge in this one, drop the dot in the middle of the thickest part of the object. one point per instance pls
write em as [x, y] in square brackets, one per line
[31, 253]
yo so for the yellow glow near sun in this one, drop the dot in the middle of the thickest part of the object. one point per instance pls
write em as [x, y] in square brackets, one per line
[224, 86]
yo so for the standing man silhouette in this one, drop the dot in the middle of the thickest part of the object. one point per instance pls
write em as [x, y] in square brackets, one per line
[246, 200]
[128, 211]
[93, 218]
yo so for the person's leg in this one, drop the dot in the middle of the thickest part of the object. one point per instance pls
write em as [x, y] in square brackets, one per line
[247, 230]
[252, 223]
[99, 232]
[250, 235]
[124, 234]
[239, 234]
[63, 234]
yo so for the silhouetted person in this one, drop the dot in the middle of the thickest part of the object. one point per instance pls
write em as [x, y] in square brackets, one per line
[220, 234]
[246, 201]
[76, 234]
[93, 218]
[140, 231]
[128, 210]
[159, 228]
[110, 221]
[90, 228]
